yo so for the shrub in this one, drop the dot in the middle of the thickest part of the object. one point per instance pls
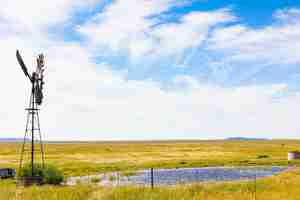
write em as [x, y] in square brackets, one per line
[49, 173]
[128, 173]
[95, 179]
[78, 182]
[262, 156]
[26, 171]
[53, 175]
[112, 178]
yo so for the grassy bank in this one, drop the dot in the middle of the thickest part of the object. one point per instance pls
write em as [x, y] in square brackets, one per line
[281, 187]
[284, 186]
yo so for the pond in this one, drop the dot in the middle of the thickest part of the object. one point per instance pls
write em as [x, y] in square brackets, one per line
[180, 175]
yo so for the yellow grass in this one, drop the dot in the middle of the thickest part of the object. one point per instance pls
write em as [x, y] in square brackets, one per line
[90, 158]
[280, 187]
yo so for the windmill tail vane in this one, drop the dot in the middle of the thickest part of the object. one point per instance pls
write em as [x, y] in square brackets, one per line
[32, 150]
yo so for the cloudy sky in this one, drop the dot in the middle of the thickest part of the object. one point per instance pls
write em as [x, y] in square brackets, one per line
[154, 69]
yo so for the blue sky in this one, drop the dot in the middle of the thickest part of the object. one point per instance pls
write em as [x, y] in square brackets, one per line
[163, 69]
[253, 14]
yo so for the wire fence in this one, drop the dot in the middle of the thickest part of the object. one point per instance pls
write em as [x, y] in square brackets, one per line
[172, 177]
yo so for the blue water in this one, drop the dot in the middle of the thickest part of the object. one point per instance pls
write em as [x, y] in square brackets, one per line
[192, 175]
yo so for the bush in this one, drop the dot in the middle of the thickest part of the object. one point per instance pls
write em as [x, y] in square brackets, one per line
[49, 173]
[52, 175]
[26, 171]
[95, 179]
[262, 156]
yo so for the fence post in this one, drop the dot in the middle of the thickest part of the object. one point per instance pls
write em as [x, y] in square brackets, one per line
[152, 178]
[255, 182]
[118, 178]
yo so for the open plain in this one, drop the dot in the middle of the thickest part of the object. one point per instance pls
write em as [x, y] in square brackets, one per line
[88, 158]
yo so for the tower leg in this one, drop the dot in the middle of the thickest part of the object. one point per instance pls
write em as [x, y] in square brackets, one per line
[32, 131]
[25, 136]
[34, 149]
[41, 141]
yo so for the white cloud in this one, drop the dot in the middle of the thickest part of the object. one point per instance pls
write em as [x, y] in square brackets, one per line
[125, 109]
[86, 100]
[27, 16]
[275, 44]
[123, 21]
[190, 32]
[138, 31]
[290, 15]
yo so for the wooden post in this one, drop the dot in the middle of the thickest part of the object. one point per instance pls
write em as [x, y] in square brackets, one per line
[255, 186]
[152, 178]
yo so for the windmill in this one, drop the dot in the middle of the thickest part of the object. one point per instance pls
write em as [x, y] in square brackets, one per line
[32, 147]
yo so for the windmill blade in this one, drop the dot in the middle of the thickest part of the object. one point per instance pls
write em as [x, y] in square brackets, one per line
[24, 68]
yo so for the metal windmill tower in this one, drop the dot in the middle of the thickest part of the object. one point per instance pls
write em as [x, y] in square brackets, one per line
[32, 148]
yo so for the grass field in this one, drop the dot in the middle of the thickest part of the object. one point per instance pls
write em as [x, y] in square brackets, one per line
[90, 158]
[281, 187]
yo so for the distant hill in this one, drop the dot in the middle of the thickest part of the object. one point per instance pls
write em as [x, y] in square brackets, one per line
[11, 139]
[245, 138]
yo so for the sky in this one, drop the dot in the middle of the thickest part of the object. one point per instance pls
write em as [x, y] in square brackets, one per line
[154, 69]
